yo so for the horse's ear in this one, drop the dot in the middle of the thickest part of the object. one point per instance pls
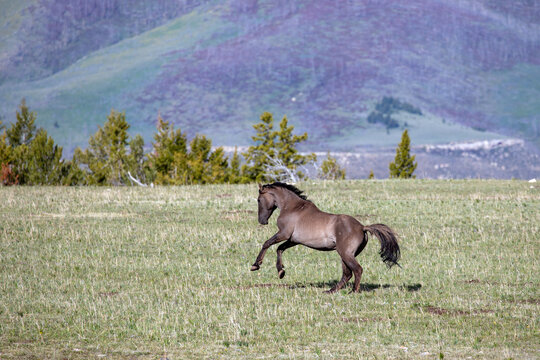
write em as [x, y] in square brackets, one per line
[260, 187]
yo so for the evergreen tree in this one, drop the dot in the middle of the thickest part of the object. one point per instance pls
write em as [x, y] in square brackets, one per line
[20, 163]
[257, 156]
[6, 151]
[44, 160]
[200, 148]
[7, 175]
[403, 165]
[169, 157]
[270, 144]
[204, 165]
[174, 163]
[235, 175]
[72, 174]
[286, 148]
[218, 169]
[371, 175]
[138, 166]
[106, 157]
[22, 131]
[331, 170]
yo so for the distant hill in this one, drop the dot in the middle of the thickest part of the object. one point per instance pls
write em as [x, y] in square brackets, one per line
[472, 67]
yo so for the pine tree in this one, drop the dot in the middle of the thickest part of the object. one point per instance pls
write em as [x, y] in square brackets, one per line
[403, 165]
[19, 136]
[204, 165]
[168, 161]
[218, 169]
[200, 148]
[22, 131]
[235, 175]
[371, 175]
[106, 157]
[72, 174]
[286, 147]
[257, 156]
[331, 170]
[270, 144]
[6, 151]
[7, 175]
[138, 166]
[44, 160]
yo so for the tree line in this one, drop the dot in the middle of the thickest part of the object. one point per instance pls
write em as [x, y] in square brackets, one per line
[29, 156]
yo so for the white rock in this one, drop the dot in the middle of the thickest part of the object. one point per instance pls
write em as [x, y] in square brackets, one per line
[532, 180]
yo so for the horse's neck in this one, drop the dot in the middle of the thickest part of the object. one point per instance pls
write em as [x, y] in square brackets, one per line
[286, 199]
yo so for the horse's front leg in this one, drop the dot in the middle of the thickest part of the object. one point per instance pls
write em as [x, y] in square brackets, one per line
[277, 238]
[279, 263]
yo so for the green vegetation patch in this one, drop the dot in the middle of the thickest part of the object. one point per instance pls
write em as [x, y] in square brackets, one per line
[164, 272]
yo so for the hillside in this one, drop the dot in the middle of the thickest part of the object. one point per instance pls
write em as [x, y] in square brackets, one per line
[471, 66]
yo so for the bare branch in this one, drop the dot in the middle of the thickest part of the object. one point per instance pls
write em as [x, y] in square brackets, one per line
[134, 180]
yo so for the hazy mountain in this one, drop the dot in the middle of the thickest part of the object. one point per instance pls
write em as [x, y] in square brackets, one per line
[471, 66]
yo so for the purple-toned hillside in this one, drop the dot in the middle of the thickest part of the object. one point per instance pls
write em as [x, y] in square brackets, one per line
[324, 64]
[321, 60]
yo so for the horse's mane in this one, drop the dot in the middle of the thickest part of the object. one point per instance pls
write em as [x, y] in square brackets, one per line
[289, 187]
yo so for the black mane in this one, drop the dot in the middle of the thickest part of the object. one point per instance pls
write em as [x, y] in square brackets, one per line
[289, 187]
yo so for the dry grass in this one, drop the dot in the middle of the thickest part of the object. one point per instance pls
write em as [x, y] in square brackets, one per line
[164, 272]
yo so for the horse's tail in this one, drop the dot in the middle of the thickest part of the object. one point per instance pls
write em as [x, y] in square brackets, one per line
[389, 252]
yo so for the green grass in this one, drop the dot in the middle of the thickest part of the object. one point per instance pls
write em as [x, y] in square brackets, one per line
[141, 273]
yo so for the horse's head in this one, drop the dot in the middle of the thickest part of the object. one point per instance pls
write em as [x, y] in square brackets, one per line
[267, 204]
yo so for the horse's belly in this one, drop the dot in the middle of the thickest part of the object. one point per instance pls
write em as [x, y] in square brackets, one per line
[319, 243]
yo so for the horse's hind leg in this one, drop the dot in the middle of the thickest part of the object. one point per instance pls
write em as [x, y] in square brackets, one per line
[357, 270]
[279, 263]
[347, 274]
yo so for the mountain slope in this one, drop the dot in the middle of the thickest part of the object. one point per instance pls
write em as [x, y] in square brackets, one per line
[471, 66]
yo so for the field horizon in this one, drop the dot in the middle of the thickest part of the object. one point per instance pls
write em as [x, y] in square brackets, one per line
[163, 272]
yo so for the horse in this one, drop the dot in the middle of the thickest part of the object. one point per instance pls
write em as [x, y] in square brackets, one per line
[301, 222]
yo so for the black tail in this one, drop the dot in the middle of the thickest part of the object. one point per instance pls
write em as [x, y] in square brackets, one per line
[389, 247]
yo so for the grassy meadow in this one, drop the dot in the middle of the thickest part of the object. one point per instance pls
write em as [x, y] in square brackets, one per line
[155, 273]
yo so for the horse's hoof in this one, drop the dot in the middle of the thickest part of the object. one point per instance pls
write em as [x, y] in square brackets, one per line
[255, 267]
[281, 274]
[331, 291]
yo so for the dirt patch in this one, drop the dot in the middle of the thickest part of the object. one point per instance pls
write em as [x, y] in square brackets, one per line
[527, 301]
[441, 311]
[108, 294]
[220, 196]
[247, 287]
[23, 341]
[240, 211]
[361, 319]
[496, 283]
[101, 215]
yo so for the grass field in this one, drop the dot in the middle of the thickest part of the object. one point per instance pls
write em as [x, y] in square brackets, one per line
[151, 273]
